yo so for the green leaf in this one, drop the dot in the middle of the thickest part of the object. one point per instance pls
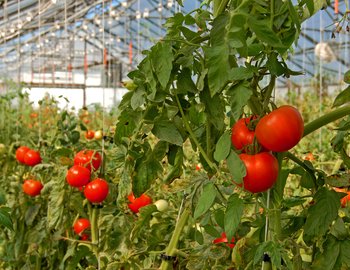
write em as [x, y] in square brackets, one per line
[185, 83]
[272, 249]
[338, 180]
[344, 252]
[126, 125]
[233, 214]
[241, 73]
[347, 77]
[239, 96]
[342, 98]
[138, 98]
[218, 67]
[293, 14]
[31, 213]
[223, 147]
[328, 258]
[5, 218]
[74, 136]
[321, 214]
[143, 220]
[339, 230]
[236, 167]
[160, 149]
[214, 107]
[166, 131]
[310, 6]
[146, 172]
[205, 200]
[262, 30]
[278, 188]
[161, 60]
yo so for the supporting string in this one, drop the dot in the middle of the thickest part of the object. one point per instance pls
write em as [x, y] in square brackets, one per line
[266, 222]
[39, 67]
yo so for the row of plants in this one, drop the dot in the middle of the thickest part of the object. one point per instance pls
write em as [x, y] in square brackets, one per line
[198, 167]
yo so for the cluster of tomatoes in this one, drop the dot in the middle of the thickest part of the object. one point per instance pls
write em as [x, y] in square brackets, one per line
[90, 134]
[81, 227]
[79, 176]
[256, 139]
[30, 157]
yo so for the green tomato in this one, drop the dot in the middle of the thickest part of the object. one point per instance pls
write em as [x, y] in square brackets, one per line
[162, 205]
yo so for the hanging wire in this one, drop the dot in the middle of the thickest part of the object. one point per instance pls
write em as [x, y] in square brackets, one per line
[266, 223]
[320, 80]
[39, 62]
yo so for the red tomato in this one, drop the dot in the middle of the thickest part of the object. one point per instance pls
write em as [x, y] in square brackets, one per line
[20, 152]
[137, 203]
[90, 134]
[241, 136]
[346, 198]
[78, 176]
[262, 171]
[84, 237]
[281, 129]
[32, 157]
[309, 156]
[32, 187]
[80, 225]
[86, 158]
[96, 191]
[223, 239]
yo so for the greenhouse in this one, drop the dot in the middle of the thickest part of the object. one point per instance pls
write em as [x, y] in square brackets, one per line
[174, 134]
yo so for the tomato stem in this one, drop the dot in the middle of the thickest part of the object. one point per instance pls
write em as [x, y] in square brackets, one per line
[171, 249]
[193, 136]
[326, 119]
[93, 213]
[269, 91]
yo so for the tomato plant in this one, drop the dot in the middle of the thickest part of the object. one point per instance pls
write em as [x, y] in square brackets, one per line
[32, 157]
[78, 176]
[20, 152]
[281, 129]
[96, 191]
[32, 187]
[261, 171]
[137, 203]
[80, 225]
[88, 158]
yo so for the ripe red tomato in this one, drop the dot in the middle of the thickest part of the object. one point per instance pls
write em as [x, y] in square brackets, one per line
[96, 191]
[262, 171]
[309, 156]
[223, 239]
[20, 152]
[80, 225]
[32, 187]
[137, 203]
[346, 198]
[241, 135]
[86, 158]
[32, 157]
[84, 237]
[90, 134]
[78, 176]
[281, 129]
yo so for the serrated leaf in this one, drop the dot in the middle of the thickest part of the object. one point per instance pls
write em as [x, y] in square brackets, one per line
[338, 180]
[236, 167]
[233, 214]
[321, 214]
[264, 32]
[328, 258]
[161, 60]
[223, 147]
[5, 218]
[166, 131]
[185, 83]
[146, 172]
[342, 98]
[205, 200]
[127, 123]
[31, 213]
[143, 220]
[239, 96]
[241, 73]
[137, 99]
[272, 249]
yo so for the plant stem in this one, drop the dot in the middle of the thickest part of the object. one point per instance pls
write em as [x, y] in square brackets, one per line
[269, 91]
[93, 212]
[326, 119]
[172, 247]
[219, 6]
[193, 137]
